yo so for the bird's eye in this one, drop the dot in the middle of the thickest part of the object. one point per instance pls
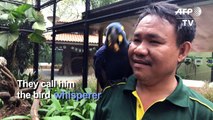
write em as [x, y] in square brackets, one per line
[122, 28]
[120, 38]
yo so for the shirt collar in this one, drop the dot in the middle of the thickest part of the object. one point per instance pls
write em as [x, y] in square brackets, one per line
[130, 84]
[179, 96]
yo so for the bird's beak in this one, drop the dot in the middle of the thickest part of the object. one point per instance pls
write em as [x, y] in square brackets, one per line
[116, 47]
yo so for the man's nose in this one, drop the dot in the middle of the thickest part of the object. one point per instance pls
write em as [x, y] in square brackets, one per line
[141, 49]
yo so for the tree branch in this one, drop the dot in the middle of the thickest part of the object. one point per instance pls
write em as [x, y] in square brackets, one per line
[35, 105]
[4, 95]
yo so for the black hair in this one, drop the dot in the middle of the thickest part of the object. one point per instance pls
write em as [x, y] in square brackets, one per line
[168, 11]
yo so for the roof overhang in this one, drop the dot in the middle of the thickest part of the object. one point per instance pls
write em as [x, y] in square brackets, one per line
[127, 13]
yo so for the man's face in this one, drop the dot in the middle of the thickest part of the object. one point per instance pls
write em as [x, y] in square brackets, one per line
[153, 52]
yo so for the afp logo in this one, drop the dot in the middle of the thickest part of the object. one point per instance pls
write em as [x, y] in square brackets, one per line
[182, 11]
[196, 11]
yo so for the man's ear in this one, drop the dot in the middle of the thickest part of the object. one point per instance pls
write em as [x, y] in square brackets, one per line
[184, 50]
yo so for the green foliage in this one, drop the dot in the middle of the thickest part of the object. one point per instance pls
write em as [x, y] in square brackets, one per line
[23, 76]
[209, 62]
[100, 3]
[189, 69]
[92, 83]
[14, 18]
[7, 38]
[206, 91]
[19, 55]
[58, 57]
[53, 108]
[1, 103]
[17, 117]
[36, 37]
[15, 45]
[57, 118]
[45, 53]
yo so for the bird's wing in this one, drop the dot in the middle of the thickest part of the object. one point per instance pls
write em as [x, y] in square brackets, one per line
[99, 66]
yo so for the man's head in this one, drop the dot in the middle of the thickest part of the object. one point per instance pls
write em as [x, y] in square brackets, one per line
[168, 12]
[160, 42]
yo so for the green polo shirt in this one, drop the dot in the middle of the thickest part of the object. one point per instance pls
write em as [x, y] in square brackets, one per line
[118, 103]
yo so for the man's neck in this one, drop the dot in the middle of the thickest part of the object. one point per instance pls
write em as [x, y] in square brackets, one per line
[160, 85]
[150, 93]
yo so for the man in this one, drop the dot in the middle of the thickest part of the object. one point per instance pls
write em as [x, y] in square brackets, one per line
[161, 42]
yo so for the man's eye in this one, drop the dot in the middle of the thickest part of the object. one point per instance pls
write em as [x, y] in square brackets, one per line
[154, 42]
[136, 41]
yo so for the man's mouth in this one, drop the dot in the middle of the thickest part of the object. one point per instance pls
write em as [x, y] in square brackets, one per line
[141, 61]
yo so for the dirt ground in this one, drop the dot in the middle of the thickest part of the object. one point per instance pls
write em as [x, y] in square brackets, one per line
[10, 109]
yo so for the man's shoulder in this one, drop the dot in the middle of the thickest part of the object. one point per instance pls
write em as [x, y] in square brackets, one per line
[197, 99]
[113, 99]
[114, 89]
[119, 89]
[126, 83]
[112, 96]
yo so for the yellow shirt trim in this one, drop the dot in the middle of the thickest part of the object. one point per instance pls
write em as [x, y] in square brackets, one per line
[139, 107]
[201, 103]
[120, 83]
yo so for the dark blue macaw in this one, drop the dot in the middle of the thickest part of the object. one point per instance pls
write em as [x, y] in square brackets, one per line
[111, 63]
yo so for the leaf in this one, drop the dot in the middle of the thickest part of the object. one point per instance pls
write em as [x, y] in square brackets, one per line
[17, 117]
[83, 111]
[82, 102]
[11, 17]
[7, 38]
[91, 113]
[30, 13]
[13, 28]
[69, 107]
[57, 118]
[38, 32]
[75, 104]
[51, 111]
[39, 26]
[7, 6]
[87, 106]
[38, 16]
[88, 90]
[22, 8]
[55, 102]
[1, 8]
[1, 103]
[18, 16]
[37, 38]
[93, 105]
[4, 17]
[43, 110]
[77, 114]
